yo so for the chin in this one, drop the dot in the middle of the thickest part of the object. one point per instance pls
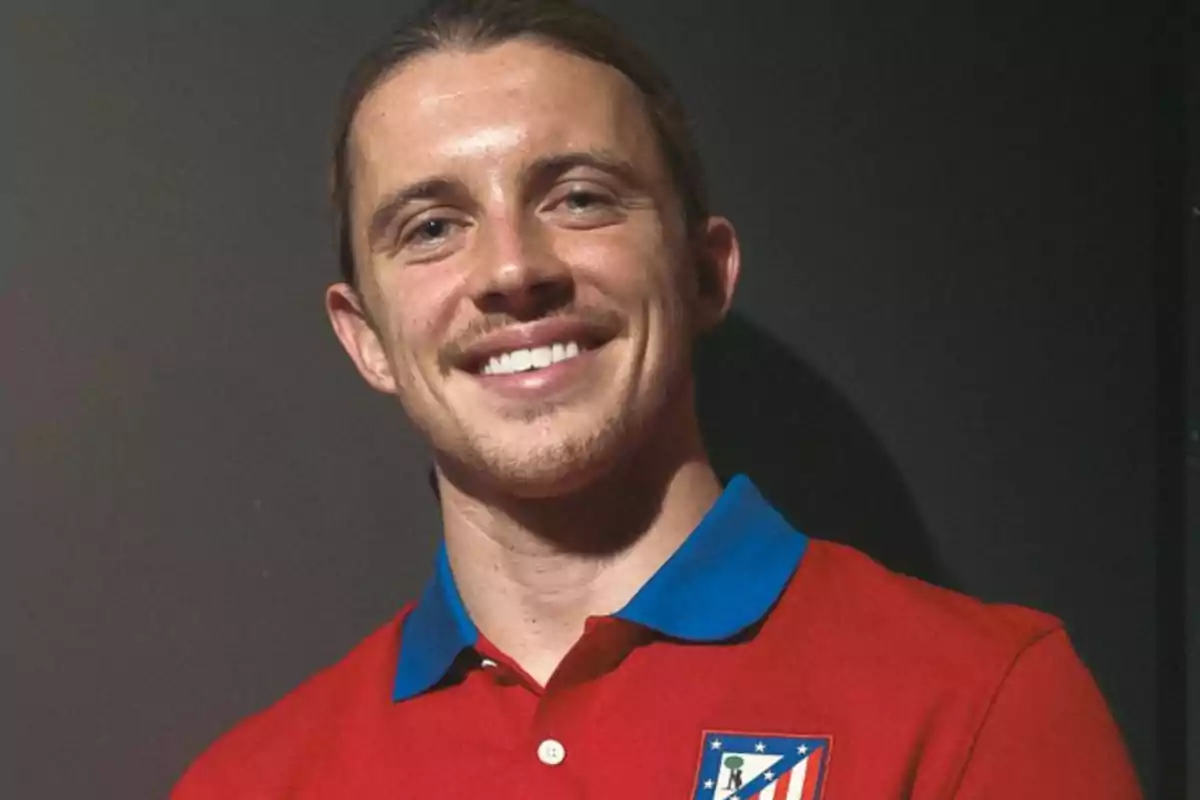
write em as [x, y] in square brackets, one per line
[549, 467]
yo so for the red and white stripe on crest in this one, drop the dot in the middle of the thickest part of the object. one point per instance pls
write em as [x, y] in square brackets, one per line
[798, 783]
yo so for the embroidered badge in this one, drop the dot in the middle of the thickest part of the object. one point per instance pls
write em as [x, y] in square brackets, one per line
[740, 766]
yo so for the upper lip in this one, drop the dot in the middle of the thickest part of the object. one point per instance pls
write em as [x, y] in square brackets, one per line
[542, 333]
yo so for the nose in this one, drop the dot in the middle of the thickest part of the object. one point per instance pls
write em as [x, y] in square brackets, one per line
[517, 272]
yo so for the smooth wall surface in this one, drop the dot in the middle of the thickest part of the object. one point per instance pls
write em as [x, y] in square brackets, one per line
[944, 343]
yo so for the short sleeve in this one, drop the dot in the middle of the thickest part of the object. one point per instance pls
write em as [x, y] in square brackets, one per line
[1049, 734]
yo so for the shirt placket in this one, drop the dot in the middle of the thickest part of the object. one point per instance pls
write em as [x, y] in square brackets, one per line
[553, 758]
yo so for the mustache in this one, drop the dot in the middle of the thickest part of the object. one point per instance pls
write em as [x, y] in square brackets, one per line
[599, 324]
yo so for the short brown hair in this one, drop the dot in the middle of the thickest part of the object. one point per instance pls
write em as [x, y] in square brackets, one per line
[558, 23]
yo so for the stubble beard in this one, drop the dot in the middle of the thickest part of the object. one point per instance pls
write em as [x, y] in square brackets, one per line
[543, 468]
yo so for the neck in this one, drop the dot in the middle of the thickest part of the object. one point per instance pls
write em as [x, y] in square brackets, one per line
[531, 572]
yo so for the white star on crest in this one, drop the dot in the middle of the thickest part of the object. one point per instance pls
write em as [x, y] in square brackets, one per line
[802, 749]
[760, 748]
[708, 784]
[770, 776]
[716, 744]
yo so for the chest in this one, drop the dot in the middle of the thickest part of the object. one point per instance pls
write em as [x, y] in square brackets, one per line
[680, 722]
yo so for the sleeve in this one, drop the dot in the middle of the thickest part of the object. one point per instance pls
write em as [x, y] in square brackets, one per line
[192, 787]
[202, 782]
[1048, 734]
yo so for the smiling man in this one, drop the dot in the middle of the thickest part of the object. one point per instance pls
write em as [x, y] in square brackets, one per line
[528, 257]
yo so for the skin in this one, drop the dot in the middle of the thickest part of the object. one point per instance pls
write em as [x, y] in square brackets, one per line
[497, 192]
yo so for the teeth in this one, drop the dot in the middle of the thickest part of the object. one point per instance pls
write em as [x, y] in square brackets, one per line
[521, 360]
[530, 358]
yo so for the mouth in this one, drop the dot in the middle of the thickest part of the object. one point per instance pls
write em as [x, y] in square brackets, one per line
[536, 346]
[528, 359]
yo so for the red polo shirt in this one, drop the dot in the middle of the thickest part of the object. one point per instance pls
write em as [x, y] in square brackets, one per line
[755, 664]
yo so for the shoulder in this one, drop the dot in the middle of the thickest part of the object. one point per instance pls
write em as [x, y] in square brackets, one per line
[896, 605]
[880, 622]
[995, 695]
[263, 749]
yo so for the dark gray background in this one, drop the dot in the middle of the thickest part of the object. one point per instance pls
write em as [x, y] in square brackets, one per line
[951, 221]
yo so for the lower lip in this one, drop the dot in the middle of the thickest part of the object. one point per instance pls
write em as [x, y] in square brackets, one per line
[540, 384]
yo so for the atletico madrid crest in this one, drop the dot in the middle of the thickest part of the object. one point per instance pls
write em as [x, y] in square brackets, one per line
[740, 766]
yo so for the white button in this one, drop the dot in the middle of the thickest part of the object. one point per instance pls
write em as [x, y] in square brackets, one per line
[551, 752]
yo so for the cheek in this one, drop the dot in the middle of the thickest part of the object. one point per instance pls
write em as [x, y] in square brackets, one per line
[421, 304]
[414, 347]
[634, 270]
[414, 311]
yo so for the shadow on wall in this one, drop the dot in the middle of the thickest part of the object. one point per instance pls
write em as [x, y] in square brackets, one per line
[767, 414]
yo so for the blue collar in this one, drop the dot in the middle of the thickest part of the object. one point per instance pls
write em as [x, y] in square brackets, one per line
[724, 578]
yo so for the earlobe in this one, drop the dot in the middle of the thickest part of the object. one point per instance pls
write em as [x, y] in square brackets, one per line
[354, 329]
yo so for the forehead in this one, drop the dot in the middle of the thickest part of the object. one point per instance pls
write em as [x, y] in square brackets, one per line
[458, 109]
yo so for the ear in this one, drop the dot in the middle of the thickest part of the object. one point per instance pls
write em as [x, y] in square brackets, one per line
[357, 333]
[720, 261]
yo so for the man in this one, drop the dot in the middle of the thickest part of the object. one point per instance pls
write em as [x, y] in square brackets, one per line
[528, 257]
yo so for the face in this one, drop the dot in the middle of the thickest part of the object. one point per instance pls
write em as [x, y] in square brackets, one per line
[527, 287]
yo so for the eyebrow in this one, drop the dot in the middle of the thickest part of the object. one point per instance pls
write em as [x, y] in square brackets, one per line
[390, 206]
[544, 168]
[556, 164]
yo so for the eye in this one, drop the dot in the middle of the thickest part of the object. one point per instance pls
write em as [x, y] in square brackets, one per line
[429, 230]
[429, 234]
[583, 200]
[580, 203]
